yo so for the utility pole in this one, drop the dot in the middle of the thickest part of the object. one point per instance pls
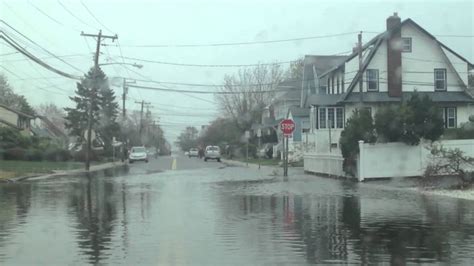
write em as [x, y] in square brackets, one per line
[142, 103]
[124, 95]
[92, 91]
[359, 50]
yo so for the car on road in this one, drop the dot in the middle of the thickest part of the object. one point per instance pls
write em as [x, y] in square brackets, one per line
[193, 152]
[212, 152]
[138, 153]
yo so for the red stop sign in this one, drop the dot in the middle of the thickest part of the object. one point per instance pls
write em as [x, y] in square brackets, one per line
[287, 126]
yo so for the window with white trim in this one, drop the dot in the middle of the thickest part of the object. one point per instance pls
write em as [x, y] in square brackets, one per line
[322, 118]
[331, 116]
[406, 45]
[440, 79]
[450, 117]
[372, 76]
[338, 84]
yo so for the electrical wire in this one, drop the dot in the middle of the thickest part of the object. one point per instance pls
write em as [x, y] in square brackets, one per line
[45, 14]
[42, 48]
[207, 65]
[95, 18]
[205, 92]
[35, 59]
[241, 43]
[76, 17]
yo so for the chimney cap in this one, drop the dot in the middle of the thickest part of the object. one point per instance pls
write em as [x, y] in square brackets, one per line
[395, 14]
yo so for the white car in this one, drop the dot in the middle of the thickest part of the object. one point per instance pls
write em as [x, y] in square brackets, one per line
[193, 153]
[138, 154]
[212, 152]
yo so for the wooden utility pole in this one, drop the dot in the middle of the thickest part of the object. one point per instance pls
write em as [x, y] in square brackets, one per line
[92, 95]
[361, 78]
[124, 95]
[143, 103]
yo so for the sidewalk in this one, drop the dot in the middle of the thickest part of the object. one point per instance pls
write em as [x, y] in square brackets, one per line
[100, 169]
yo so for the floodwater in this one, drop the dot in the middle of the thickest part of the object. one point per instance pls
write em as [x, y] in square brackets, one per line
[229, 216]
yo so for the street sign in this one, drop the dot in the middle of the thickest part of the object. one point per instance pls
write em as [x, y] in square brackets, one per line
[287, 126]
[247, 134]
[259, 132]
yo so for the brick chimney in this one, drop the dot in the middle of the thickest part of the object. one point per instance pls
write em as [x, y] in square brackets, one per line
[394, 56]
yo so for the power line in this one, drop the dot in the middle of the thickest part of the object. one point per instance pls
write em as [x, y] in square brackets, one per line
[46, 57]
[76, 17]
[42, 48]
[8, 54]
[207, 65]
[205, 92]
[241, 43]
[96, 19]
[35, 59]
[40, 88]
[45, 14]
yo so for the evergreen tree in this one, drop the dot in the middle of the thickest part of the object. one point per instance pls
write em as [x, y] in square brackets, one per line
[9, 98]
[108, 126]
[86, 96]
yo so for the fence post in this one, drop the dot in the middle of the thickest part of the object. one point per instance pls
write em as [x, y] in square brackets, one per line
[360, 164]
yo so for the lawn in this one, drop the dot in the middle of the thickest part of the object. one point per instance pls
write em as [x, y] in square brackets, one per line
[9, 169]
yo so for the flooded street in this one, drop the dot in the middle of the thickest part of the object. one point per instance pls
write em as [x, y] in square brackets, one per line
[207, 214]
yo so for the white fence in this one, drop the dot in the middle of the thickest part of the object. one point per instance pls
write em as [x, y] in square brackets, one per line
[384, 160]
[327, 164]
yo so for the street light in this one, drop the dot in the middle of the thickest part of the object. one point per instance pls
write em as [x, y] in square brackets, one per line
[118, 63]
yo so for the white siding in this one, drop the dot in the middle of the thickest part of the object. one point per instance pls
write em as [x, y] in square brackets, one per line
[379, 61]
[351, 68]
[8, 116]
[426, 55]
[460, 66]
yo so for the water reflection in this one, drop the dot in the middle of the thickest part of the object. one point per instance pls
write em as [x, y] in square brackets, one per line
[95, 212]
[15, 203]
[346, 228]
[138, 220]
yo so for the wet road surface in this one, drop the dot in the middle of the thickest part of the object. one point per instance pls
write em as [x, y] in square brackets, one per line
[202, 213]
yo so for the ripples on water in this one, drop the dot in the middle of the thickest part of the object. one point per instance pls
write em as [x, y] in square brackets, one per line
[224, 216]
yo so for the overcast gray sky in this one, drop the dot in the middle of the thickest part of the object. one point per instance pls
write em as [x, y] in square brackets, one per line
[196, 22]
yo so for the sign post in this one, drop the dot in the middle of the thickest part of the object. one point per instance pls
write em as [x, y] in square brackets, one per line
[259, 135]
[287, 126]
[247, 137]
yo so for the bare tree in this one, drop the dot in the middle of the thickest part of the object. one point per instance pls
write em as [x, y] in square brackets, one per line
[248, 92]
[54, 113]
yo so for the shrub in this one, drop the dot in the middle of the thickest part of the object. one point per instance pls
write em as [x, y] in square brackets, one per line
[452, 162]
[14, 154]
[418, 118]
[389, 124]
[422, 119]
[56, 154]
[33, 155]
[358, 127]
[80, 156]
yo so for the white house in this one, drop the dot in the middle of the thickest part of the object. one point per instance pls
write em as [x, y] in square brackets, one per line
[10, 117]
[394, 64]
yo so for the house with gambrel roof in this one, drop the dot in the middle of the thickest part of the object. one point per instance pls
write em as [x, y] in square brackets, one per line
[396, 63]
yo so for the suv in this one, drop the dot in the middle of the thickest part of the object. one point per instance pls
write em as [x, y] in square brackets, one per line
[138, 154]
[212, 152]
[193, 153]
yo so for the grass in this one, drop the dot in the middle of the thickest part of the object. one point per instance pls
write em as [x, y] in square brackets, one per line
[9, 169]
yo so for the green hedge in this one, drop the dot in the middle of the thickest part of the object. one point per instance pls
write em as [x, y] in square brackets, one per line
[22, 154]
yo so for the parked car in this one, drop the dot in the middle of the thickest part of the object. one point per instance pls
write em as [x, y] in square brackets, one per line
[212, 152]
[138, 154]
[193, 153]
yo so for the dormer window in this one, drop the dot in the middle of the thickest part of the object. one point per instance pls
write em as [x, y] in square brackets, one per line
[406, 45]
